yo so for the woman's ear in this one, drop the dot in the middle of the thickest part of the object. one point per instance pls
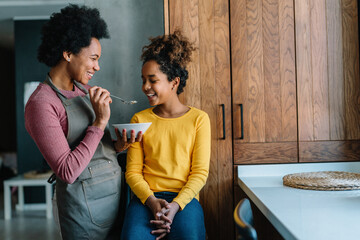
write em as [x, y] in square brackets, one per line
[67, 56]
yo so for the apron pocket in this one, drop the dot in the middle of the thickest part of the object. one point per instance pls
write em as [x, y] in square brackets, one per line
[102, 196]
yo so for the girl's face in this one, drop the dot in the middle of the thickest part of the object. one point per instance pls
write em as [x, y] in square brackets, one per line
[156, 85]
[83, 65]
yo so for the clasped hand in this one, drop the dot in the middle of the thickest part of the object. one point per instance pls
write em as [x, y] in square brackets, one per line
[164, 214]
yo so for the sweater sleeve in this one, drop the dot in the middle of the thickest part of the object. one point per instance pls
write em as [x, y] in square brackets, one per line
[134, 170]
[43, 124]
[199, 163]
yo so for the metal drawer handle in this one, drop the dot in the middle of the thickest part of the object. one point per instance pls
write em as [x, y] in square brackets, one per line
[223, 119]
[241, 122]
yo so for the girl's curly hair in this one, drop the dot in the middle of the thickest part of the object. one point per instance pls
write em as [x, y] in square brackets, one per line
[172, 53]
[70, 30]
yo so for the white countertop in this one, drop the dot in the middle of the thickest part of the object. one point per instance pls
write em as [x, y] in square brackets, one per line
[303, 214]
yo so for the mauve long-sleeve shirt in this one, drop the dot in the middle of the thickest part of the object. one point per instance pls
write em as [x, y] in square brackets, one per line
[47, 123]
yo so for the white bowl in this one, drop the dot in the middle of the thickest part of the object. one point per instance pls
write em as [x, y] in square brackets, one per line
[137, 127]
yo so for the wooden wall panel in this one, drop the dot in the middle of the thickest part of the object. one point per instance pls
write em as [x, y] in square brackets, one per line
[304, 70]
[351, 68]
[335, 69]
[240, 81]
[329, 151]
[263, 70]
[319, 70]
[223, 95]
[206, 24]
[287, 71]
[272, 80]
[327, 70]
[208, 103]
[260, 153]
[263, 77]
[255, 101]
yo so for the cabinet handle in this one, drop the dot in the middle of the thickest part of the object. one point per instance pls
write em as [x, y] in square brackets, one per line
[223, 119]
[241, 122]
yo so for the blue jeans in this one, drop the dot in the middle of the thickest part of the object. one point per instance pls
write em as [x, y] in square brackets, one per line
[187, 224]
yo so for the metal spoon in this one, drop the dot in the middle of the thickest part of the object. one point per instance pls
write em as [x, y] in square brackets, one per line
[124, 101]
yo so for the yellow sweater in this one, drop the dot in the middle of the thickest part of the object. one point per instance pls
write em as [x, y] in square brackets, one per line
[174, 156]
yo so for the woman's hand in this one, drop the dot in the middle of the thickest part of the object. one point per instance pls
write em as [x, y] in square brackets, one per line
[122, 143]
[162, 225]
[100, 101]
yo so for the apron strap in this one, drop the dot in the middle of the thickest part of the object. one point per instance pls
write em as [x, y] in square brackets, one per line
[49, 82]
[81, 87]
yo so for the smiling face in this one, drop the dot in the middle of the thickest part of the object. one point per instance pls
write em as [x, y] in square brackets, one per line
[83, 65]
[156, 85]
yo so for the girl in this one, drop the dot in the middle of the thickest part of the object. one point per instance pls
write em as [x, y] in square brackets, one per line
[167, 170]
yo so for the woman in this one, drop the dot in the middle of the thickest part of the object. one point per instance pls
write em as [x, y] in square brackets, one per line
[167, 170]
[68, 121]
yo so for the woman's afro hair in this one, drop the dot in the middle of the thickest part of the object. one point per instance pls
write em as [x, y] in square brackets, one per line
[172, 53]
[70, 30]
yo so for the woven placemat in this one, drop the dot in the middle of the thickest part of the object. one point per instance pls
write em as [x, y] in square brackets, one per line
[323, 180]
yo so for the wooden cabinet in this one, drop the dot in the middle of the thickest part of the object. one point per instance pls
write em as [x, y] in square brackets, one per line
[295, 81]
[280, 82]
[328, 84]
[263, 81]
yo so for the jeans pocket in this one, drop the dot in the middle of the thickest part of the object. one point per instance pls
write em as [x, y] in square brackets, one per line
[102, 196]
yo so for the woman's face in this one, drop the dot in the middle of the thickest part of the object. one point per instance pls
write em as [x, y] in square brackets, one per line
[82, 66]
[155, 84]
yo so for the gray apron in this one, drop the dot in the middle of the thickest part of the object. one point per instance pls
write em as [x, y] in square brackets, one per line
[89, 208]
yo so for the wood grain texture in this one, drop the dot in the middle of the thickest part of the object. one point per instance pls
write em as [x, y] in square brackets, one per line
[335, 69]
[304, 70]
[166, 17]
[191, 27]
[319, 70]
[271, 61]
[208, 104]
[263, 70]
[206, 24]
[256, 108]
[223, 96]
[256, 153]
[328, 79]
[240, 82]
[329, 151]
[351, 68]
[175, 15]
[287, 71]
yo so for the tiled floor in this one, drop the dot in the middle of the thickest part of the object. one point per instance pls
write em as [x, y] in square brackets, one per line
[27, 225]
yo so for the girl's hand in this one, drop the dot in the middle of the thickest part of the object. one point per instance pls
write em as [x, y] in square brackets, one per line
[100, 101]
[164, 226]
[122, 143]
[156, 205]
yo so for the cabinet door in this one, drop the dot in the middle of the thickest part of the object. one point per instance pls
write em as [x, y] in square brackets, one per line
[263, 81]
[327, 60]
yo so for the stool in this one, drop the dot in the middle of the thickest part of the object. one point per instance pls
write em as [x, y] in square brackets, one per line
[21, 182]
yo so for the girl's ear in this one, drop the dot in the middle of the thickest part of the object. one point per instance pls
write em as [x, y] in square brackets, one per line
[175, 83]
[67, 56]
